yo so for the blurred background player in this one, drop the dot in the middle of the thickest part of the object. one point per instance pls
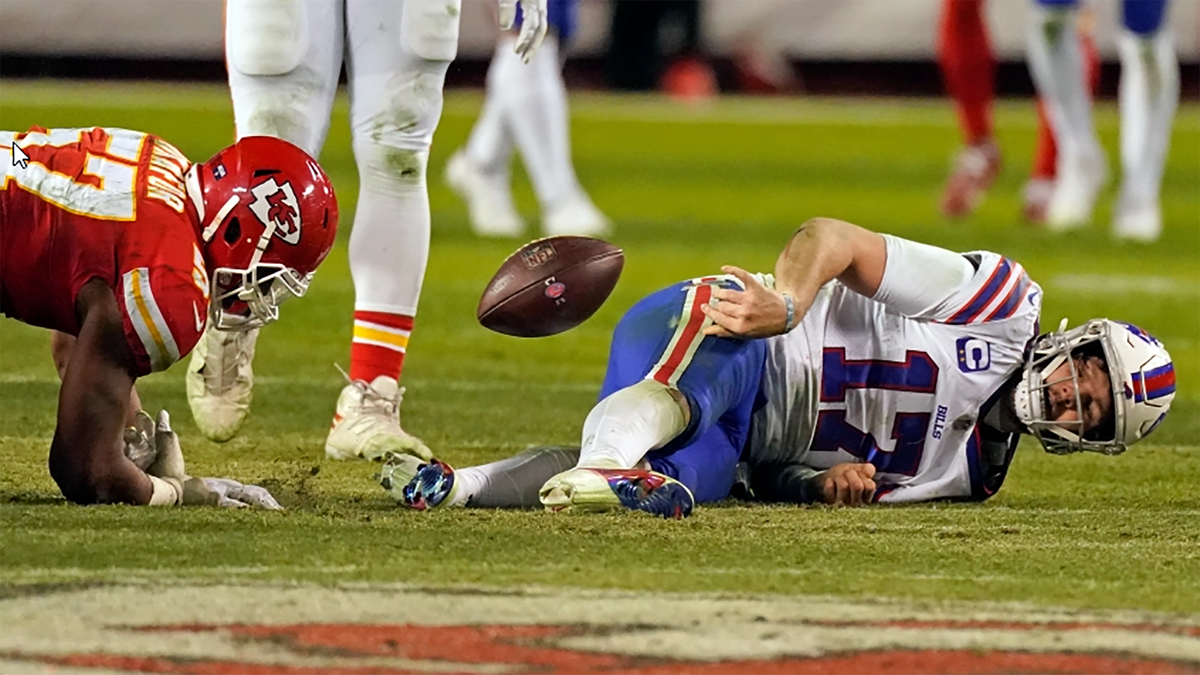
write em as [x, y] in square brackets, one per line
[526, 106]
[969, 72]
[123, 247]
[284, 59]
[1149, 93]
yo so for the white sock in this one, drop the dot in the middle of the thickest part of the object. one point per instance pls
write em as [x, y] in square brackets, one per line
[1056, 63]
[630, 422]
[1149, 94]
[490, 145]
[389, 243]
[535, 109]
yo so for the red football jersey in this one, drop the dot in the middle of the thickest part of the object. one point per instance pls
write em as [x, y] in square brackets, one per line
[105, 204]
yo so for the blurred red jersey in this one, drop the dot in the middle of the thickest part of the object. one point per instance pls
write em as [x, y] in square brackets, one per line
[108, 204]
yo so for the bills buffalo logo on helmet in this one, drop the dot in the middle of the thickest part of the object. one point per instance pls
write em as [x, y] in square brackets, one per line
[276, 206]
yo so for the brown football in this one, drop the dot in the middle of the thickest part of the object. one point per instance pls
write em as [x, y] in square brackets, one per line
[550, 285]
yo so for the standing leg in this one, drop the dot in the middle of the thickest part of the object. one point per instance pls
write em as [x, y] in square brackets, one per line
[1039, 189]
[1149, 94]
[1056, 62]
[399, 54]
[284, 59]
[479, 173]
[969, 70]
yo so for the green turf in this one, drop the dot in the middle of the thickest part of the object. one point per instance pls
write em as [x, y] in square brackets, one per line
[691, 188]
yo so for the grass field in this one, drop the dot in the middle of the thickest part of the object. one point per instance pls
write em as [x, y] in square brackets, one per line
[691, 188]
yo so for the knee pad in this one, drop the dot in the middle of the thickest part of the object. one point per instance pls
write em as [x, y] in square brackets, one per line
[266, 37]
[429, 28]
[1143, 17]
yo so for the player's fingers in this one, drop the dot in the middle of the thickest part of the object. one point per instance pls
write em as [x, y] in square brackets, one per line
[868, 491]
[855, 488]
[843, 490]
[728, 295]
[508, 13]
[229, 503]
[742, 275]
[866, 470]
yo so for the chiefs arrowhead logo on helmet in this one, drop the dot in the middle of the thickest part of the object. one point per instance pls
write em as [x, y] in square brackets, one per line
[276, 206]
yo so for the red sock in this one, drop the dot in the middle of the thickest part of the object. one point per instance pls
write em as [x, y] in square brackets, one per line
[965, 57]
[380, 340]
[1046, 153]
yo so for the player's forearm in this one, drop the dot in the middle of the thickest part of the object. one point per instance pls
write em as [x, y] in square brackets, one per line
[824, 249]
[785, 482]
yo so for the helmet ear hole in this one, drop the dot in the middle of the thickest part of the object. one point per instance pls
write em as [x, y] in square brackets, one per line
[233, 231]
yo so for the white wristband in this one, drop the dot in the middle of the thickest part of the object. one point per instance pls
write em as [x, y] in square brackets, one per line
[163, 493]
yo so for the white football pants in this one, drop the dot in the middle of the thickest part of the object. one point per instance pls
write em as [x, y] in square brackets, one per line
[284, 59]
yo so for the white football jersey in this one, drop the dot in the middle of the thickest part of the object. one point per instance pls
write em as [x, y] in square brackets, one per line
[899, 380]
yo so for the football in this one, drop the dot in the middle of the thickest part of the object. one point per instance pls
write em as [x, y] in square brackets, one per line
[550, 285]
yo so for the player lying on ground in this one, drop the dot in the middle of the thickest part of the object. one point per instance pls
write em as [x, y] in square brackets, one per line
[868, 369]
[110, 237]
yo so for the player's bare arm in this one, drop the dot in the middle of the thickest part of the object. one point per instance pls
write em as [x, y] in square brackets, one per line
[86, 457]
[823, 249]
[61, 345]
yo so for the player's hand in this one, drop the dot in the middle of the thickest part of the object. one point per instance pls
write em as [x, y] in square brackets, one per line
[850, 484]
[533, 24]
[232, 494]
[755, 312]
[139, 441]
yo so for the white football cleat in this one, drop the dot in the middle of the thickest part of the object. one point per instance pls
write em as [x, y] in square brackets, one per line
[578, 216]
[489, 198]
[367, 423]
[1075, 190]
[220, 382]
[590, 490]
[1137, 220]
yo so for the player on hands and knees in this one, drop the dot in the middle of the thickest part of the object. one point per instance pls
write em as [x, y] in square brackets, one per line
[124, 248]
[867, 369]
[526, 106]
[284, 62]
[1149, 94]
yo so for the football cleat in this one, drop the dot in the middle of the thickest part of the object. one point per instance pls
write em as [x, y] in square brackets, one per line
[577, 216]
[416, 483]
[220, 382]
[1075, 190]
[975, 169]
[609, 489]
[1036, 200]
[367, 423]
[1137, 220]
[489, 198]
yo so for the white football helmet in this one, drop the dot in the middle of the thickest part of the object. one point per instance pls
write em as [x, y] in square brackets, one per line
[1143, 385]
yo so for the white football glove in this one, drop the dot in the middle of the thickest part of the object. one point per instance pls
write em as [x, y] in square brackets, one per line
[533, 24]
[232, 494]
[168, 465]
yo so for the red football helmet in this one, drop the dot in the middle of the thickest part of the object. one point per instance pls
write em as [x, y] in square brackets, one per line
[268, 217]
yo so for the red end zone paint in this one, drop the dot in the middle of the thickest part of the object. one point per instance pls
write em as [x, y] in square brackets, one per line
[534, 650]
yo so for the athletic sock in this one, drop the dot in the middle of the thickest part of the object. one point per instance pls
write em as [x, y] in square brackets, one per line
[1149, 94]
[512, 482]
[490, 144]
[968, 67]
[1056, 63]
[380, 341]
[535, 105]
